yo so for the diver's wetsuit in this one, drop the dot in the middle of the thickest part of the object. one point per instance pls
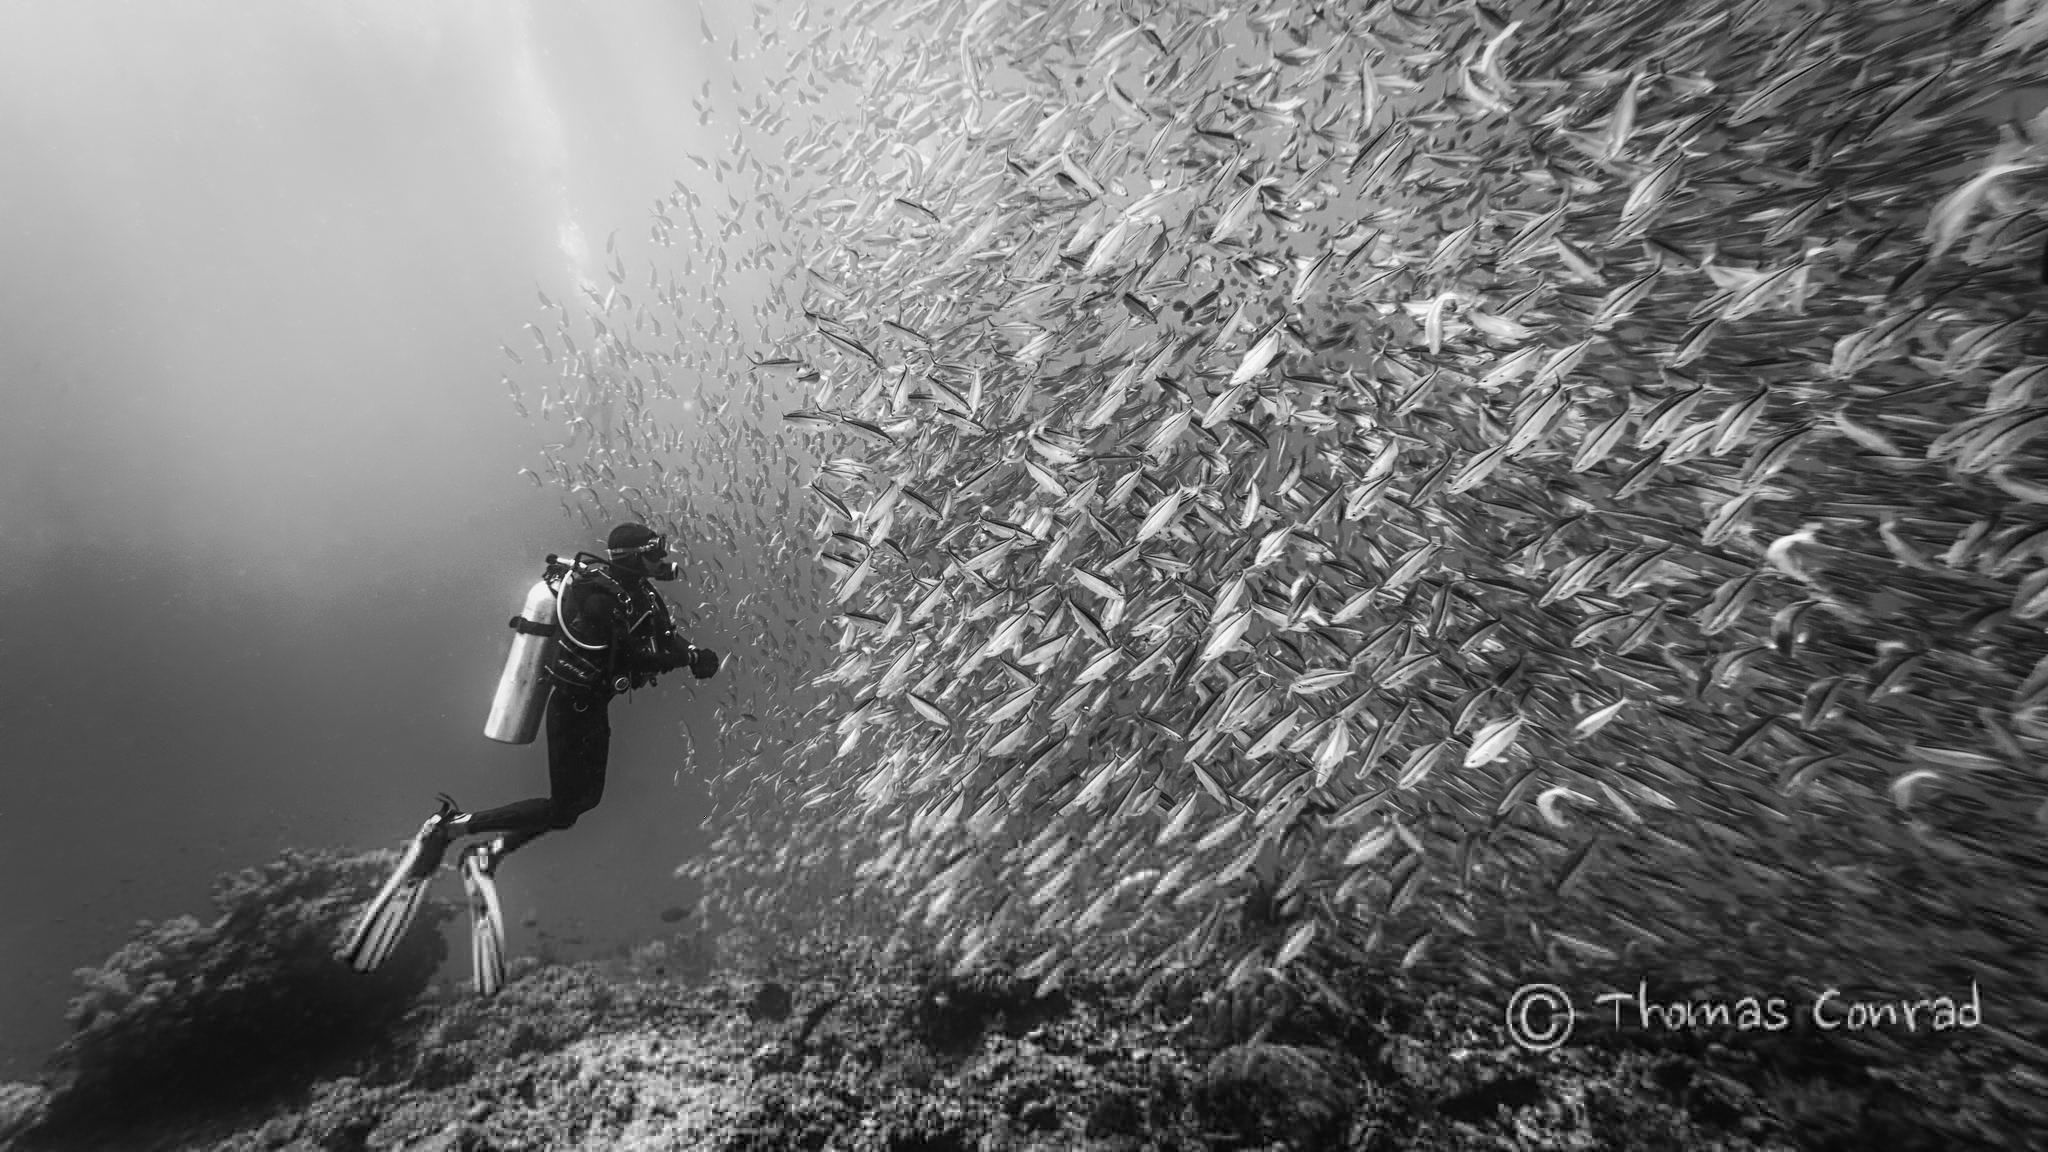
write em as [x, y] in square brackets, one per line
[639, 643]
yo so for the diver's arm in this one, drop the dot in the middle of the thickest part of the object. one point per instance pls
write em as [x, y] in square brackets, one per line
[678, 652]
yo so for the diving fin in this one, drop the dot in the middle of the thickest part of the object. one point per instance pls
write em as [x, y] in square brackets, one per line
[386, 917]
[487, 918]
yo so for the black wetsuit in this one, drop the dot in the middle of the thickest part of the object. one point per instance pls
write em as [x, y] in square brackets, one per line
[639, 643]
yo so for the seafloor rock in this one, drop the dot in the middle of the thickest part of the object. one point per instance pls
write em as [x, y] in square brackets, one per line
[192, 1013]
[21, 1107]
[770, 1002]
[908, 1057]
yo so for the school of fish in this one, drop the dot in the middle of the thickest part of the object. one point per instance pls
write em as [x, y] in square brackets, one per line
[1249, 488]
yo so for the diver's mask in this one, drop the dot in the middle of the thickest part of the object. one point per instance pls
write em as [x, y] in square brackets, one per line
[650, 560]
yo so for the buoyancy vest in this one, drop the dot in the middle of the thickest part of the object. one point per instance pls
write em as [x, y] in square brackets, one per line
[639, 622]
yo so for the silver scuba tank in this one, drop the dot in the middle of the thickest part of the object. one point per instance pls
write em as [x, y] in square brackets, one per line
[517, 707]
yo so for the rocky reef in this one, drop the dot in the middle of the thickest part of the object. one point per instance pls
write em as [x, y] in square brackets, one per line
[245, 1034]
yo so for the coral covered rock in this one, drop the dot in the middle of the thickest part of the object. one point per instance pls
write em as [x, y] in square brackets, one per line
[191, 1010]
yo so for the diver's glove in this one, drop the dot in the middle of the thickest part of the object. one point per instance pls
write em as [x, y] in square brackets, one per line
[703, 662]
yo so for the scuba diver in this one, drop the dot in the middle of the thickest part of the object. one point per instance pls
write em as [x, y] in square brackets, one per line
[591, 629]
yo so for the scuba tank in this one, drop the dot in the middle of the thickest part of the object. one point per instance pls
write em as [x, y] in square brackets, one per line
[516, 708]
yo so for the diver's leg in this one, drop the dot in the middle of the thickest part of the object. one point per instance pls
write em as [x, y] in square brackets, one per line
[514, 818]
[579, 783]
[522, 820]
[579, 741]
